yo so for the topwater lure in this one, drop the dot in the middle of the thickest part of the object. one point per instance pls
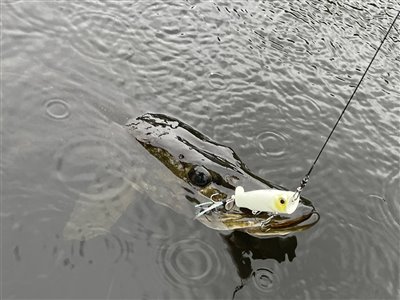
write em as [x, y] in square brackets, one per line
[271, 200]
[267, 200]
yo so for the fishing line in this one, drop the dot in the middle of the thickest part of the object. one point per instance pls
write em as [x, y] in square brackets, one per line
[307, 176]
[272, 200]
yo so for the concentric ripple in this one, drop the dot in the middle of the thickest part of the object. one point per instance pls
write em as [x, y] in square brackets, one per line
[111, 249]
[57, 109]
[93, 162]
[217, 81]
[352, 254]
[263, 279]
[189, 263]
[272, 144]
[101, 36]
[302, 109]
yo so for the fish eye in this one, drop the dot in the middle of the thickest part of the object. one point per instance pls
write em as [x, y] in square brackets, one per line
[282, 201]
[199, 176]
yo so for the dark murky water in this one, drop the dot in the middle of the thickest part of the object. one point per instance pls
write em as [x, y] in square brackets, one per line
[267, 78]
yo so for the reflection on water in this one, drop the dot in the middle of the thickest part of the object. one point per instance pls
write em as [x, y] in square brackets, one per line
[265, 78]
[245, 249]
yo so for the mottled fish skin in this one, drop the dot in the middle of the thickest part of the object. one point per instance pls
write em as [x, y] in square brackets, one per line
[180, 148]
[164, 152]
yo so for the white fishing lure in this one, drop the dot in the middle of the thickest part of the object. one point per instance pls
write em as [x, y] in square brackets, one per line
[271, 200]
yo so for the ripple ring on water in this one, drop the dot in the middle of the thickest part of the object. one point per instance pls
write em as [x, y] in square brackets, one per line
[57, 109]
[91, 165]
[117, 249]
[189, 263]
[348, 264]
[101, 36]
[263, 279]
[272, 144]
[217, 81]
[303, 106]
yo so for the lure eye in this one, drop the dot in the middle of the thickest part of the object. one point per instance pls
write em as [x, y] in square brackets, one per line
[199, 176]
[282, 201]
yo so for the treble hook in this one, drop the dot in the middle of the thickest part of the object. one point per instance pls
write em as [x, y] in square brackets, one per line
[211, 207]
[228, 205]
[264, 224]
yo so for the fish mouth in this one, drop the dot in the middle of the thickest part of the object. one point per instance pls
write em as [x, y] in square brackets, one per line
[208, 171]
[263, 224]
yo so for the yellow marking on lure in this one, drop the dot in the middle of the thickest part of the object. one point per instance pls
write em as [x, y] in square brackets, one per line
[271, 200]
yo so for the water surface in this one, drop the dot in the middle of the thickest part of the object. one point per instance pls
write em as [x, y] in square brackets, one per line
[267, 78]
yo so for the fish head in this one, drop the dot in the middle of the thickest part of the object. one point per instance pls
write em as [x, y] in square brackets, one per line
[208, 171]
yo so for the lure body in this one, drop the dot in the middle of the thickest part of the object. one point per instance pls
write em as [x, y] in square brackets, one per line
[271, 200]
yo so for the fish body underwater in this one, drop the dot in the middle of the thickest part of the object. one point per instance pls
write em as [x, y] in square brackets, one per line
[186, 169]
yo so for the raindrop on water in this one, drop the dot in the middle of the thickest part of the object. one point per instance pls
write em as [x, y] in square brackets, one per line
[91, 165]
[217, 81]
[57, 109]
[189, 263]
[272, 144]
[263, 279]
